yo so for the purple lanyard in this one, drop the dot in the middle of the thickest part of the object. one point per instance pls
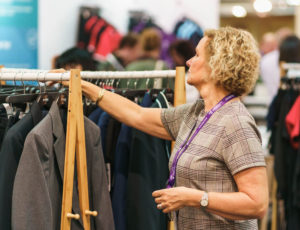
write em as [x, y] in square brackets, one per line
[187, 142]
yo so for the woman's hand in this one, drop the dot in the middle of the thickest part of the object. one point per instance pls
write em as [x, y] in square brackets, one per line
[51, 83]
[173, 199]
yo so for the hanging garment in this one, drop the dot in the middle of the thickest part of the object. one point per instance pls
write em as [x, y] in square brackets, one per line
[101, 119]
[107, 43]
[84, 34]
[112, 133]
[95, 115]
[282, 148]
[273, 118]
[96, 32]
[293, 123]
[285, 160]
[9, 159]
[296, 184]
[119, 187]
[293, 200]
[189, 30]
[148, 171]
[89, 108]
[87, 18]
[103, 124]
[121, 163]
[13, 119]
[38, 186]
[3, 122]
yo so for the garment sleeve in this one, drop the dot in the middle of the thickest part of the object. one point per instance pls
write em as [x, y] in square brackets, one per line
[173, 117]
[31, 205]
[242, 147]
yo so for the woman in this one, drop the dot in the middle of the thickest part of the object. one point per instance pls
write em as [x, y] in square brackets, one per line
[219, 181]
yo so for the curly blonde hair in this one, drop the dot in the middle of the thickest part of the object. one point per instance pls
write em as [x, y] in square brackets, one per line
[234, 59]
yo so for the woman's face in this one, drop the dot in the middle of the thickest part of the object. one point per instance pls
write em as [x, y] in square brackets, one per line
[199, 69]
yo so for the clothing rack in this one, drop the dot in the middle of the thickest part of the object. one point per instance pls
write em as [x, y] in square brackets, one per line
[43, 75]
[75, 137]
[291, 70]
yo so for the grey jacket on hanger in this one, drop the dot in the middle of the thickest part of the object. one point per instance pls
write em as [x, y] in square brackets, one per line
[37, 193]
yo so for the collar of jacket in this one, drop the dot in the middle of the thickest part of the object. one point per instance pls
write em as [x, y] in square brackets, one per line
[59, 149]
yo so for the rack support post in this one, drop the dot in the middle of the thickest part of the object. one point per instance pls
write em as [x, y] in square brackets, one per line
[75, 140]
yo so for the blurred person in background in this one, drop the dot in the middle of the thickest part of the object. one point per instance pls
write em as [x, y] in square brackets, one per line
[181, 51]
[289, 50]
[75, 58]
[151, 46]
[129, 50]
[268, 43]
[269, 65]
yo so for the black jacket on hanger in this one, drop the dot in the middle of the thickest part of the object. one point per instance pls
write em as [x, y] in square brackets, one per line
[285, 161]
[38, 187]
[9, 159]
[148, 171]
[282, 147]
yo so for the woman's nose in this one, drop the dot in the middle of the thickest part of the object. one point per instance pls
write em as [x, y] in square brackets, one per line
[188, 62]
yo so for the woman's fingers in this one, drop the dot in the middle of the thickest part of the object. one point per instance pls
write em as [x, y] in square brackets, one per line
[158, 193]
[51, 83]
[57, 71]
[158, 200]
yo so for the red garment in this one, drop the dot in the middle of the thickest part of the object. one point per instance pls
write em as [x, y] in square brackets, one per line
[94, 34]
[86, 31]
[89, 24]
[109, 41]
[292, 121]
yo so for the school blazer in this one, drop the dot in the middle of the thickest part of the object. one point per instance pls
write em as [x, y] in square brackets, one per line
[38, 186]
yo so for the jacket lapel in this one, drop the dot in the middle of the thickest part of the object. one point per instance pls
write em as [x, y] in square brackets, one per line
[59, 149]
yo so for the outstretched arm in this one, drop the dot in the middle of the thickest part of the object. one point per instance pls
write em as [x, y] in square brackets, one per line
[147, 120]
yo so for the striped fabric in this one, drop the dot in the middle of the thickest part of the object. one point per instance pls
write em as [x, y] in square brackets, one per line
[228, 143]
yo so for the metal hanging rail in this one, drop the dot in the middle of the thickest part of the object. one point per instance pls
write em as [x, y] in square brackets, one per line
[44, 75]
[291, 66]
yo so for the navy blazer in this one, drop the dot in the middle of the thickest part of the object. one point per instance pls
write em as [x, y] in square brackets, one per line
[148, 171]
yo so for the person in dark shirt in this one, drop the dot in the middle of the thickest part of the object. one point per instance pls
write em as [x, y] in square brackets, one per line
[75, 58]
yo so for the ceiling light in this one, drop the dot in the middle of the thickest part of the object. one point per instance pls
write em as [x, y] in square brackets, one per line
[293, 2]
[262, 6]
[239, 11]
